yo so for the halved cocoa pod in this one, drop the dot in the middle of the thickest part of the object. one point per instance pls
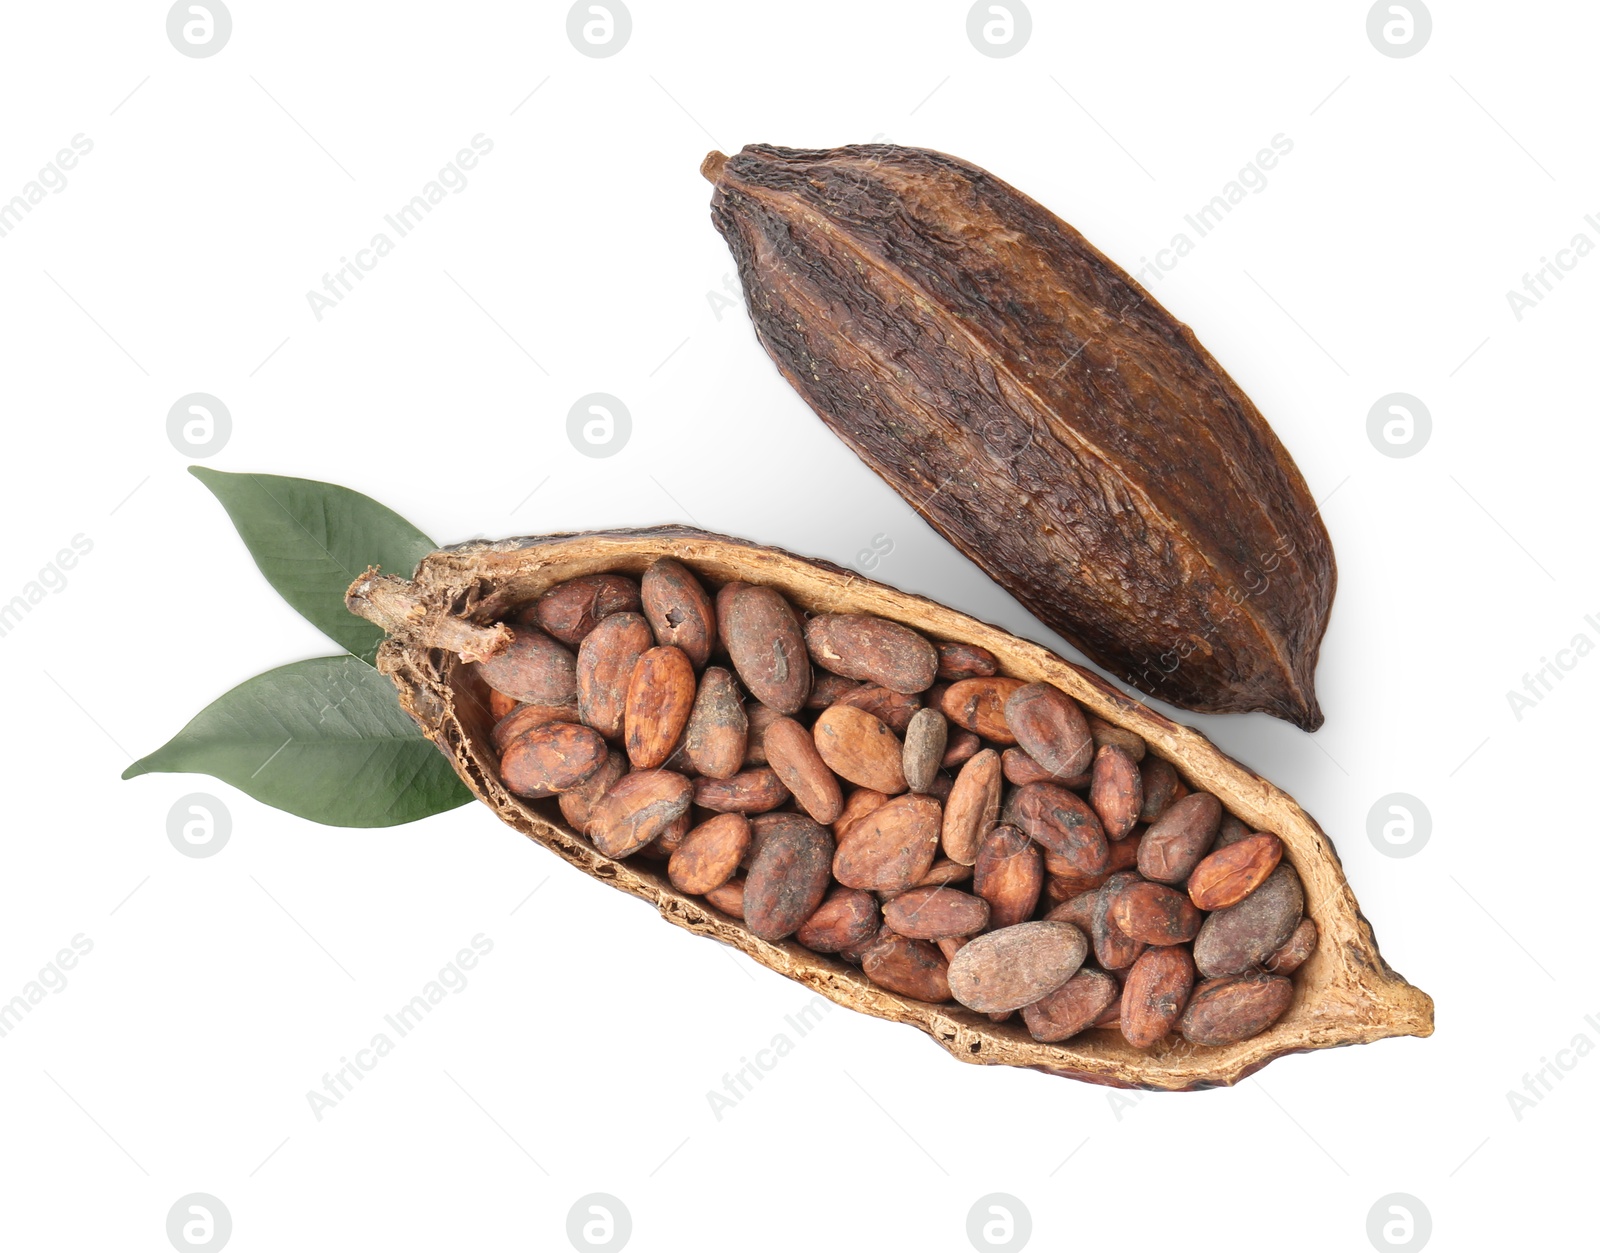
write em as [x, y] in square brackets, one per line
[846, 918]
[923, 752]
[1009, 874]
[1230, 874]
[960, 747]
[1228, 1010]
[1345, 994]
[1063, 824]
[794, 758]
[1155, 914]
[979, 705]
[714, 740]
[1106, 733]
[709, 855]
[526, 717]
[678, 609]
[890, 848]
[1016, 966]
[767, 647]
[659, 701]
[858, 748]
[965, 661]
[637, 808]
[913, 968]
[1050, 728]
[788, 877]
[973, 807]
[1155, 993]
[1071, 1008]
[748, 792]
[1244, 935]
[554, 757]
[1116, 792]
[577, 804]
[1160, 784]
[860, 646]
[894, 709]
[606, 659]
[570, 610]
[1176, 841]
[1296, 950]
[935, 913]
[536, 669]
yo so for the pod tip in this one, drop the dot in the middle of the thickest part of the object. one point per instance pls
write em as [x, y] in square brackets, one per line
[711, 167]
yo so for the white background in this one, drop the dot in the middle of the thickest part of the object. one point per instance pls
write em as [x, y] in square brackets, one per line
[579, 258]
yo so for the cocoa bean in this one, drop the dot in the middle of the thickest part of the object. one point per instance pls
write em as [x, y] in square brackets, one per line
[1124, 852]
[1063, 824]
[1159, 779]
[859, 748]
[768, 649]
[891, 848]
[979, 705]
[1175, 842]
[714, 740]
[709, 855]
[1116, 791]
[659, 701]
[794, 757]
[1113, 949]
[1227, 1010]
[669, 841]
[500, 704]
[828, 689]
[788, 877]
[846, 918]
[1016, 966]
[569, 611]
[973, 807]
[876, 650]
[748, 792]
[1048, 725]
[1156, 991]
[894, 709]
[1231, 832]
[729, 898]
[1230, 874]
[551, 758]
[944, 871]
[926, 737]
[678, 609]
[637, 808]
[535, 669]
[1104, 733]
[1154, 914]
[525, 718]
[913, 968]
[719, 605]
[577, 804]
[1077, 909]
[1063, 887]
[1071, 1008]
[759, 718]
[960, 747]
[1296, 950]
[936, 913]
[861, 801]
[1009, 874]
[606, 660]
[1234, 939]
[965, 661]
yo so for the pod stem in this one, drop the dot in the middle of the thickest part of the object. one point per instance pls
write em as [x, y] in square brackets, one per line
[711, 167]
[394, 605]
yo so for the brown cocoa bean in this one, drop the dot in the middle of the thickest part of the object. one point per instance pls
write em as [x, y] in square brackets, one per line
[1234, 939]
[1062, 823]
[965, 661]
[500, 704]
[847, 918]
[525, 718]
[1071, 1008]
[859, 748]
[1116, 791]
[638, 807]
[1063, 887]
[973, 807]
[960, 746]
[979, 705]
[1159, 778]
[935, 913]
[939, 789]
[1048, 725]
[788, 877]
[719, 605]
[859, 646]
[1232, 831]
[793, 756]
[577, 804]
[926, 737]
[551, 758]
[768, 649]
[748, 792]
[1022, 770]
[1124, 852]
[1113, 949]
[1077, 909]
[1111, 1016]
[828, 689]
[729, 898]
[670, 840]
[606, 660]
[1175, 842]
[1227, 1010]
[1296, 950]
[1016, 966]
[944, 871]
[913, 968]
[1154, 995]
[894, 709]
[714, 740]
[861, 801]
[709, 855]
[1230, 874]
[759, 718]
[535, 669]
[569, 611]
[1009, 874]
[1154, 914]
[1105, 733]
[659, 701]
[678, 609]
[891, 848]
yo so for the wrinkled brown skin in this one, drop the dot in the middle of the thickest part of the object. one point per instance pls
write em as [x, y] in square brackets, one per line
[1155, 914]
[875, 650]
[1154, 995]
[768, 650]
[679, 610]
[794, 758]
[913, 968]
[1040, 409]
[1063, 824]
[714, 740]
[1159, 780]
[636, 809]
[759, 718]
[965, 661]
[1296, 951]
[526, 717]
[1175, 842]
[753, 791]
[709, 855]
[551, 758]
[1050, 728]
[961, 746]
[536, 669]
[1113, 949]
[935, 913]
[1228, 875]
[1234, 939]
[1226, 1010]
[861, 801]
[1073, 1007]
[944, 872]
[1115, 790]
[859, 748]
[979, 705]
[578, 803]
[606, 659]
[891, 848]
[729, 898]
[827, 689]
[847, 918]
[972, 808]
[657, 707]
[1009, 874]
[570, 610]
[1010, 967]
[889, 706]
[788, 877]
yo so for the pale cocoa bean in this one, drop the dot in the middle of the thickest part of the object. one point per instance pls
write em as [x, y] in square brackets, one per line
[1160, 784]
[979, 705]
[859, 646]
[1016, 966]
[859, 748]
[1116, 791]
[926, 737]
[1105, 733]
[1155, 914]
[659, 701]
[894, 709]
[960, 747]
[569, 611]
[535, 669]
[847, 918]
[714, 740]
[679, 611]
[525, 718]
[788, 877]
[966, 661]
[1175, 842]
[913, 968]
[1156, 991]
[1062, 823]
[748, 792]
[768, 648]
[551, 758]
[1071, 1008]
[1009, 874]
[1230, 874]
[1296, 950]
[1234, 939]
[709, 855]
[606, 660]
[973, 807]
[794, 757]
[935, 913]
[1227, 1010]
[636, 809]
[1049, 726]
[890, 848]
[577, 804]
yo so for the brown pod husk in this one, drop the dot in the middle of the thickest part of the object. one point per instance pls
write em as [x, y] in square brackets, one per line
[1042, 411]
[1344, 993]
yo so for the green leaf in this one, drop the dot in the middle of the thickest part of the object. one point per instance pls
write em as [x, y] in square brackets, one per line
[325, 739]
[313, 539]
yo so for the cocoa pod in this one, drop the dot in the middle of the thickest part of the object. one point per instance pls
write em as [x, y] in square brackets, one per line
[1159, 780]
[768, 649]
[551, 758]
[1009, 874]
[1105, 733]
[1227, 1010]
[1154, 995]
[1244, 935]
[961, 746]
[714, 739]
[1175, 842]
[1053, 457]
[577, 804]
[894, 709]
[637, 808]
[525, 718]
[858, 748]
[965, 661]
[729, 898]
[606, 660]
[1016, 966]
[788, 877]
[570, 610]
[861, 801]
[1113, 949]
[860, 646]
[1116, 792]
[1063, 824]
[912, 968]
[758, 718]
[678, 609]
[1154, 914]
[890, 848]
[1071, 1008]
[973, 807]
[748, 792]
[1230, 874]
[535, 669]
[935, 913]
[979, 706]
[1296, 950]
[794, 758]
[659, 701]
[923, 754]
[846, 918]
[1048, 725]
[709, 855]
